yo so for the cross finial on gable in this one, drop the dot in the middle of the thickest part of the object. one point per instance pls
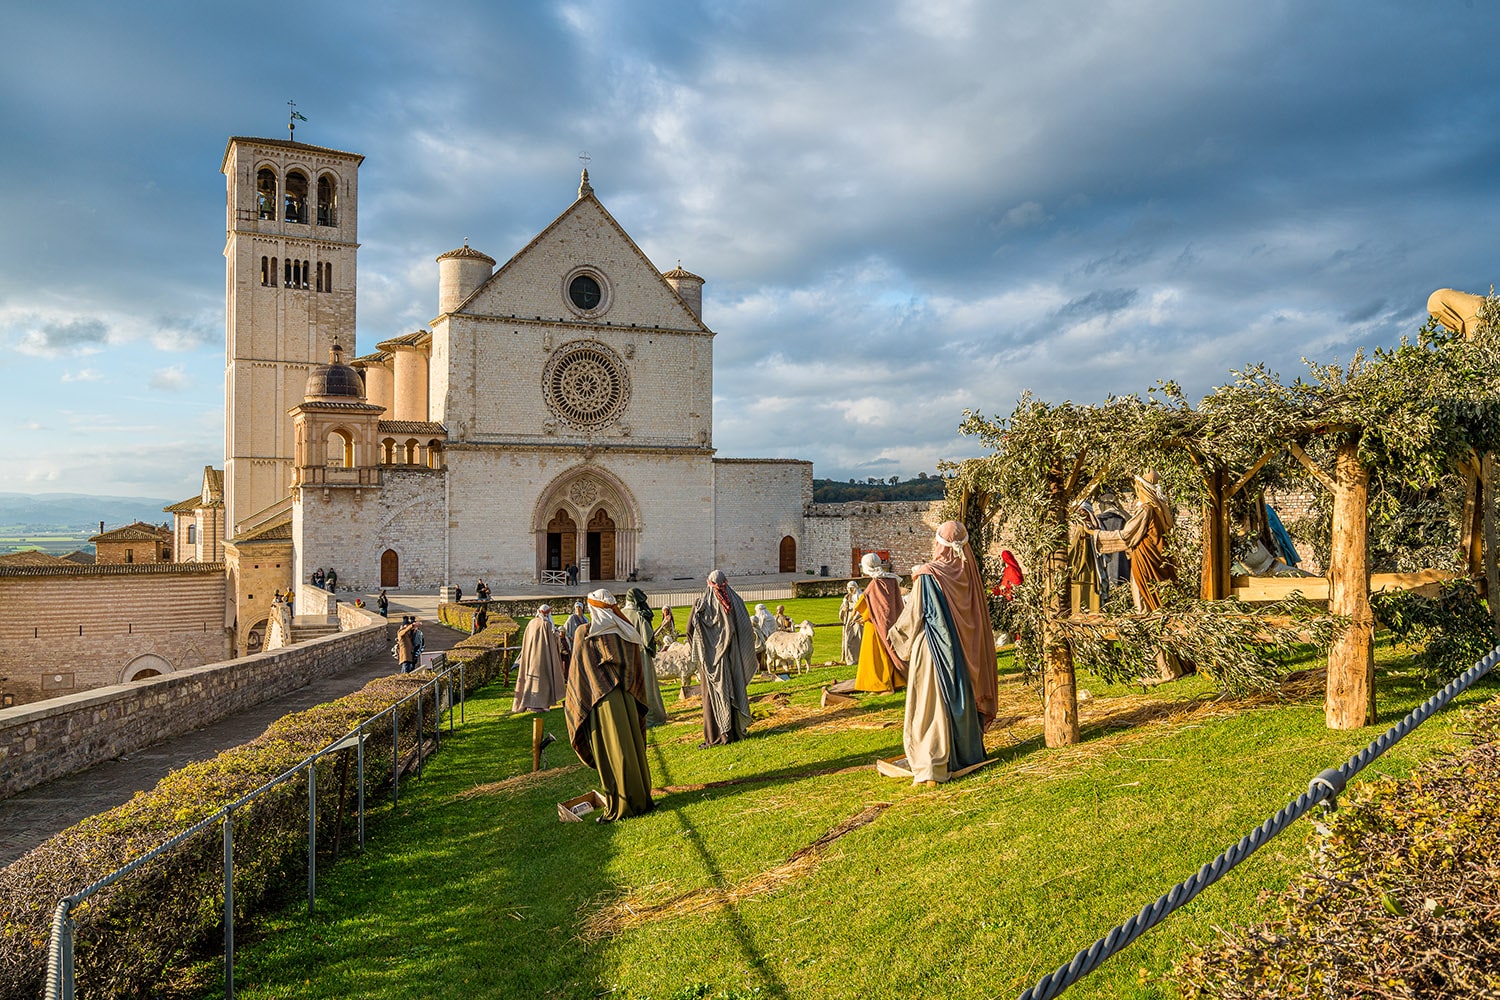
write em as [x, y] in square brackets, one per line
[584, 187]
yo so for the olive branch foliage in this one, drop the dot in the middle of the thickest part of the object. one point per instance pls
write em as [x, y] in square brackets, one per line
[1413, 413]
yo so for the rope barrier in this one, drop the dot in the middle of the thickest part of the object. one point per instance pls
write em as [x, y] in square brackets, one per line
[1325, 787]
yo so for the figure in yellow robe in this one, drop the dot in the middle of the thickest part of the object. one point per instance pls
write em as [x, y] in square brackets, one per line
[880, 669]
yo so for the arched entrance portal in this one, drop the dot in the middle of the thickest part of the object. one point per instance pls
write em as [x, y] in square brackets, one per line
[562, 541]
[587, 514]
[144, 666]
[789, 554]
[601, 545]
[390, 568]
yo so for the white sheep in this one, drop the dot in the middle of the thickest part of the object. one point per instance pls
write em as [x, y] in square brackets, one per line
[676, 660]
[790, 649]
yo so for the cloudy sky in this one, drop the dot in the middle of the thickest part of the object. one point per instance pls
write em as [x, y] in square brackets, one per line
[901, 208]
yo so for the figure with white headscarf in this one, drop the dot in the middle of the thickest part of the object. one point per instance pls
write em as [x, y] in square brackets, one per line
[575, 622]
[637, 612]
[881, 668]
[539, 676]
[944, 634]
[723, 641]
[853, 624]
[606, 706]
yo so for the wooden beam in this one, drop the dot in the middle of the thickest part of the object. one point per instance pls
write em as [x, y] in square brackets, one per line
[1264, 589]
[1260, 463]
[1313, 467]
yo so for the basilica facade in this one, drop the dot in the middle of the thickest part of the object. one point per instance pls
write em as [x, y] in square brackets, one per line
[557, 410]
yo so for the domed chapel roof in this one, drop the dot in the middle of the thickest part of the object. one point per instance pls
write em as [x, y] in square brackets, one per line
[334, 380]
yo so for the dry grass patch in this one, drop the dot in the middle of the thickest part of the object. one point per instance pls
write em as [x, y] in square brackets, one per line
[632, 911]
[517, 782]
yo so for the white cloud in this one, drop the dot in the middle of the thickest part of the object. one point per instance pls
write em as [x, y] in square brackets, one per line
[171, 379]
[82, 375]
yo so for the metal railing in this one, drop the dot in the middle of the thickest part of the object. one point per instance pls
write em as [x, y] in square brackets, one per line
[60, 970]
[1323, 788]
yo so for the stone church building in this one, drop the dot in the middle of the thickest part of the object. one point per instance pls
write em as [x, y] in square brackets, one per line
[557, 410]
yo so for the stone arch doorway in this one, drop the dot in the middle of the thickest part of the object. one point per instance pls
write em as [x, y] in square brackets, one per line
[562, 541]
[255, 639]
[390, 569]
[788, 555]
[586, 513]
[144, 666]
[601, 545]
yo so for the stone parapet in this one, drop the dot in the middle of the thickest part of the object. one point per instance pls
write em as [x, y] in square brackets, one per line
[64, 735]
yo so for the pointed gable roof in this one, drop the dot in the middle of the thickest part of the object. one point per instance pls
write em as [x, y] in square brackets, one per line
[585, 202]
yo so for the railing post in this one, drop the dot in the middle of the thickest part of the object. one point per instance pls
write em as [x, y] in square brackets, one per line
[312, 833]
[60, 953]
[463, 690]
[396, 753]
[421, 731]
[437, 712]
[228, 904]
[359, 755]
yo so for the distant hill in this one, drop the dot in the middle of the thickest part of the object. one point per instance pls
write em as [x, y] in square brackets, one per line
[838, 491]
[61, 522]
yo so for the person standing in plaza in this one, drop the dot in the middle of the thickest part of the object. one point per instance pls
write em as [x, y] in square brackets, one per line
[606, 708]
[383, 602]
[723, 641]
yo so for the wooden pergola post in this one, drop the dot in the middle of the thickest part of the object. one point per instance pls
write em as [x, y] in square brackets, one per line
[1059, 683]
[1350, 700]
[1215, 582]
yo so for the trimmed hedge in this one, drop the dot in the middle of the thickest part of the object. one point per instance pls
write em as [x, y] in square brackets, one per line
[1404, 901]
[170, 912]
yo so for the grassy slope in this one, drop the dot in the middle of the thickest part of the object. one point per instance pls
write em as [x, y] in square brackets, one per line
[970, 890]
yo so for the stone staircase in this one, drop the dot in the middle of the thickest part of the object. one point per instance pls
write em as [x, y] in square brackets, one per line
[308, 627]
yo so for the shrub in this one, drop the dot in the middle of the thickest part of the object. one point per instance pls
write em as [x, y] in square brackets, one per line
[1404, 900]
[171, 910]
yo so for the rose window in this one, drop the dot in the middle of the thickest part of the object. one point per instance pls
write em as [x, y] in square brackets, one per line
[585, 384]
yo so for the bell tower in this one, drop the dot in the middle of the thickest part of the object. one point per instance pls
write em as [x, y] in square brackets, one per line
[290, 255]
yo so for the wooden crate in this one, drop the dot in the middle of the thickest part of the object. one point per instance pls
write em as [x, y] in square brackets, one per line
[565, 810]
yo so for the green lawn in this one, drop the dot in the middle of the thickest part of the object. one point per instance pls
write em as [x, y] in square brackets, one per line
[472, 889]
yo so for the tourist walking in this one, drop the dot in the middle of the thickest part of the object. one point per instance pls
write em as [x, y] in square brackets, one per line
[723, 641]
[406, 645]
[944, 634]
[606, 708]
[384, 604]
[480, 622]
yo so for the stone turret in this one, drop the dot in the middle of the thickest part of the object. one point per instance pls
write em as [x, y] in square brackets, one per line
[688, 286]
[460, 272]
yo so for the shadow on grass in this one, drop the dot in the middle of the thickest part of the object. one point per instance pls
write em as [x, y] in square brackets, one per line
[755, 958]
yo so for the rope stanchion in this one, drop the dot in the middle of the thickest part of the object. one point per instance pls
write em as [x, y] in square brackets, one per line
[1325, 787]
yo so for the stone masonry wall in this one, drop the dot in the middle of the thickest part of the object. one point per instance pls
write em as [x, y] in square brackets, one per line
[65, 735]
[757, 503]
[66, 629]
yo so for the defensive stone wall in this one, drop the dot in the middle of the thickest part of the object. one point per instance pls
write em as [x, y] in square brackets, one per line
[65, 735]
[904, 528]
[72, 628]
